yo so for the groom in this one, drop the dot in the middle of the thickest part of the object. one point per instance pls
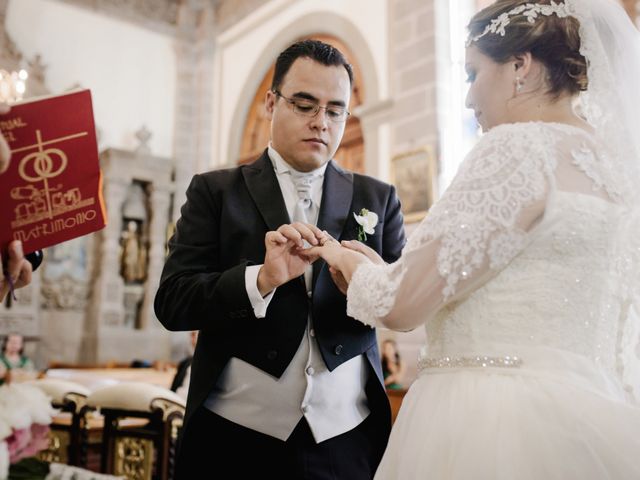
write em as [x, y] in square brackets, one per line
[283, 382]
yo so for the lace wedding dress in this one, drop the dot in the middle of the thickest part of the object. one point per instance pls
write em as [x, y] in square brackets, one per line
[520, 279]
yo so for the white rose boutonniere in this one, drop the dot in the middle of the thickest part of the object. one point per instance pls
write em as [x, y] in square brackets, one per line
[367, 221]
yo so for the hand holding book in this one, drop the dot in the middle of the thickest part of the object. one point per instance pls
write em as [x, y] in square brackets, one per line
[51, 188]
[16, 271]
[16, 266]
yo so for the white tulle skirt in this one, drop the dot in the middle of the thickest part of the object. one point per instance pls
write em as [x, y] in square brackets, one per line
[558, 417]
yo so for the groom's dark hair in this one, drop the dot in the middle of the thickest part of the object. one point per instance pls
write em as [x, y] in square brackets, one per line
[315, 50]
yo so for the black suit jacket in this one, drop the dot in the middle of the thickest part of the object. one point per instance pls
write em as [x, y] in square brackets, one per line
[221, 231]
[181, 373]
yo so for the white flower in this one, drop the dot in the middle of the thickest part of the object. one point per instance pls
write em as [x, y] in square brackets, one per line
[21, 405]
[367, 221]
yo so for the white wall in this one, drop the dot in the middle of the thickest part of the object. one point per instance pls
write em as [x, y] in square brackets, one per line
[457, 125]
[247, 50]
[131, 71]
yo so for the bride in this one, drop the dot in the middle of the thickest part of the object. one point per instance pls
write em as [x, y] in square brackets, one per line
[523, 274]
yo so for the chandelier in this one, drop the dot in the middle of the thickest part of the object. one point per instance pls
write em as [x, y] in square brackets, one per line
[12, 85]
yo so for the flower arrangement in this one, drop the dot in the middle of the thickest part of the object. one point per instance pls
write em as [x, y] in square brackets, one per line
[367, 221]
[25, 415]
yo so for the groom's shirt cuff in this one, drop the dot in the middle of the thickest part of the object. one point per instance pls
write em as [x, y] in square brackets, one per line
[258, 302]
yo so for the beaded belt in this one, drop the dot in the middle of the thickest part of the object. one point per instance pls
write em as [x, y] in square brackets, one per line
[469, 362]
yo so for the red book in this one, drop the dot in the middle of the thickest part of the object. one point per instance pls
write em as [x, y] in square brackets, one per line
[52, 190]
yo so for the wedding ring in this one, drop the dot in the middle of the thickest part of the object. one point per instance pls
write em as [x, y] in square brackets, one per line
[326, 239]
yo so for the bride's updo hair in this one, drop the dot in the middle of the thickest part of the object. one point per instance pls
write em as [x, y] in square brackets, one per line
[552, 40]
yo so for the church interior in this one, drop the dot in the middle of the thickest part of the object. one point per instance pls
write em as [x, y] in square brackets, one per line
[178, 88]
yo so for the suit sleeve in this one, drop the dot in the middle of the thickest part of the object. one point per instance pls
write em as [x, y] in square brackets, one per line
[194, 291]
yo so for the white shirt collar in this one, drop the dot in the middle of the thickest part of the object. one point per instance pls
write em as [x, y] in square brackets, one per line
[281, 166]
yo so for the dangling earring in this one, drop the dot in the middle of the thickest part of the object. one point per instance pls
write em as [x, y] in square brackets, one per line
[519, 84]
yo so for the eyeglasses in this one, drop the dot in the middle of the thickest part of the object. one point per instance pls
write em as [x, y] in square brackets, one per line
[309, 108]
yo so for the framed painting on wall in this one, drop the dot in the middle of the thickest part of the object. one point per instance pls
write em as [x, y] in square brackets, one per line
[414, 175]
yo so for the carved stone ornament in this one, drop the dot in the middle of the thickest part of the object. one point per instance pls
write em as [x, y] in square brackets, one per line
[65, 293]
[37, 69]
[143, 135]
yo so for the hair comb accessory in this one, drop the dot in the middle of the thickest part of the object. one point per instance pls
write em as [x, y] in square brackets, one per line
[530, 10]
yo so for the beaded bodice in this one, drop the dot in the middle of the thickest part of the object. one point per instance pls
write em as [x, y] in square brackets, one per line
[559, 292]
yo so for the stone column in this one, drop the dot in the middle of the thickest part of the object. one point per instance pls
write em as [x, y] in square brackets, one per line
[3, 13]
[374, 120]
[106, 309]
[195, 48]
[10, 57]
[186, 124]
[112, 284]
[414, 63]
[160, 204]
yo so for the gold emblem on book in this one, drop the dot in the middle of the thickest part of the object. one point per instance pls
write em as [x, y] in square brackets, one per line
[44, 200]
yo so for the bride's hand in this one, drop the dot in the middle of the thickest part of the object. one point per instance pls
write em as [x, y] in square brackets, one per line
[341, 259]
[366, 250]
[330, 250]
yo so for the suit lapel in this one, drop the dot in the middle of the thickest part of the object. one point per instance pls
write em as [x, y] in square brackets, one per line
[337, 196]
[265, 191]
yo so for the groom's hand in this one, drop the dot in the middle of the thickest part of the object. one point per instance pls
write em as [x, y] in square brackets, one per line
[283, 261]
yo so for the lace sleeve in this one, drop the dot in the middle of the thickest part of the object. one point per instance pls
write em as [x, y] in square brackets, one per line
[478, 226]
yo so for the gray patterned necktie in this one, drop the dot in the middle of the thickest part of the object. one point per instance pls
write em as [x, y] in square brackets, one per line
[302, 183]
[303, 210]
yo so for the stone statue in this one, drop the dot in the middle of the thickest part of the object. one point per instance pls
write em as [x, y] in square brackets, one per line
[133, 260]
